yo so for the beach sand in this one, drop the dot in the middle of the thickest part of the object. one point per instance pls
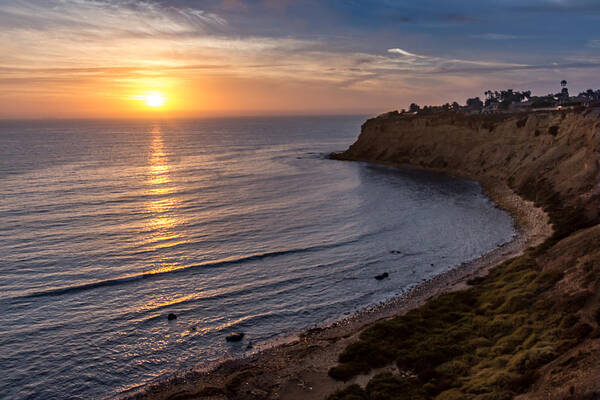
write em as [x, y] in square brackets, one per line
[297, 369]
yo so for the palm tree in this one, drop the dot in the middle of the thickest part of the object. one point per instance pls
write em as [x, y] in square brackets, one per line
[564, 93]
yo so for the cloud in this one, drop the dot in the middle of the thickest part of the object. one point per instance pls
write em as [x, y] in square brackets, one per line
[101, 17]
[433, 64]
[123, 33]
[402, 52]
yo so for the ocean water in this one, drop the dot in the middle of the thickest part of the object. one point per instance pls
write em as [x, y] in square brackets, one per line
[241, 224]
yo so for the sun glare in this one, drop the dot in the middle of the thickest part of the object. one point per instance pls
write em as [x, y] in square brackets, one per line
[154, 100]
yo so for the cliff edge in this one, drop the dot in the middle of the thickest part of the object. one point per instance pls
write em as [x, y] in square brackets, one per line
[553, 351]
[558, 152]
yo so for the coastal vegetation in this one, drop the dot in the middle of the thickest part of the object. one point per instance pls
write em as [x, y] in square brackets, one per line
[486, 342]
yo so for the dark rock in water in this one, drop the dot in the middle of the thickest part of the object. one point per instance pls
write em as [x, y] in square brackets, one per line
[395, 252]
[235, 337]
[250, 345]
[382, 276]
[171, 317]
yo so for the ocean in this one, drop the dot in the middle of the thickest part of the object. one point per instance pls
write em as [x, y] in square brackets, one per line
[238, 224]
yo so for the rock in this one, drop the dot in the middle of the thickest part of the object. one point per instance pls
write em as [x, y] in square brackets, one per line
[382, 276]
[250, 346]
[171, 317]
[235, 337]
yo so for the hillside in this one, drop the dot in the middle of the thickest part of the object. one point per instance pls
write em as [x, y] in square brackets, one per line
[530, 328]
[522, 322]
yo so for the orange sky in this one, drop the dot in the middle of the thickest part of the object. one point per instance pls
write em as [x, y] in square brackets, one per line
[100, 58]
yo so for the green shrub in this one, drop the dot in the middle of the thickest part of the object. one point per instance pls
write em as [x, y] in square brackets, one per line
[390, 387]
[383, 387]
[484, 342]
[345, 372]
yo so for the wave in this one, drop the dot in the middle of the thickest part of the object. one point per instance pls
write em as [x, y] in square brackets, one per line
[156, 273]
[268, 289]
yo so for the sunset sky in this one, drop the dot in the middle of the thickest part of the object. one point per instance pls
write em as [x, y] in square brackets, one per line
[126, 58]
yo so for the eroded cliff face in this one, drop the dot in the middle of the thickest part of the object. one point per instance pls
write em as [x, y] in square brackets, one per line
[558, 152]
[552, 158]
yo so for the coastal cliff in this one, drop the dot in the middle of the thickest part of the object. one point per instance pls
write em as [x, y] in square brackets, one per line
[551, 349]
[522, 322]
[533, 153]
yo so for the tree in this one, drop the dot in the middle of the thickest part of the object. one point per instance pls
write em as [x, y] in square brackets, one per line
[475, 103]
[591, 95]
[543, 101]
[505, 98]
[490, 97]
[414, 107]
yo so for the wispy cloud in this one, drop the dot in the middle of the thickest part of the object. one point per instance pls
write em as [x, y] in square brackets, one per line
[402, 52]
[432, 64]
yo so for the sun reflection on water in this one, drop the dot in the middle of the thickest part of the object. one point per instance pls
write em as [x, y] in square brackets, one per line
[161, 208]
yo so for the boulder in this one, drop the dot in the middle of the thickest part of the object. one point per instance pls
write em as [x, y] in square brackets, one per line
[382, 276]
[235, 337]
[171, 317]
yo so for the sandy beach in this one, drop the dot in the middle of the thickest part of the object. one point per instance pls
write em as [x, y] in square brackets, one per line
[297, 368]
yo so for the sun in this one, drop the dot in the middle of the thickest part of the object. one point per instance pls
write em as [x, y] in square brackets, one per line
[155, 99]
